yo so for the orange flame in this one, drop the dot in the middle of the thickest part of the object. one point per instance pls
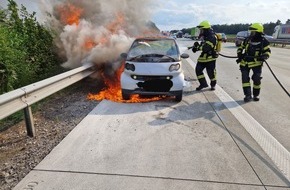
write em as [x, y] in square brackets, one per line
[113, 91]
[114, 26]
[89, 44]
[70, 14]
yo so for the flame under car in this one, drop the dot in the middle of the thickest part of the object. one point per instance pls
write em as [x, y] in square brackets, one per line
[153, 67]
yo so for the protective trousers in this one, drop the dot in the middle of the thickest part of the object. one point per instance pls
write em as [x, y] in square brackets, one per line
[211, 71]
[256, 77]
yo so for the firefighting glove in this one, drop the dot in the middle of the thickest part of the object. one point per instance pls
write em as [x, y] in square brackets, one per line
[241, 56]
[196, 44]
[194, 49]
[262, 58]
[238, 61]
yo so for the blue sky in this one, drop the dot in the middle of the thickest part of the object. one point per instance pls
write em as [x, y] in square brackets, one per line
[179, 14]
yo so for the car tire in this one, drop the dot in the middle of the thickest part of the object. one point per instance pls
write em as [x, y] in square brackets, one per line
[178, 96]
[125, 95]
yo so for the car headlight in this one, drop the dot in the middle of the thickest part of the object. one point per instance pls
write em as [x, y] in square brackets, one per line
[129, 66]
[174, 67]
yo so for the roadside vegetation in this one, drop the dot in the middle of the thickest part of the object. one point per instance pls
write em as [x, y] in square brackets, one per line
[27, 52]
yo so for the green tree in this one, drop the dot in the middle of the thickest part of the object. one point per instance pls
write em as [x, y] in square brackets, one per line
[26, 49]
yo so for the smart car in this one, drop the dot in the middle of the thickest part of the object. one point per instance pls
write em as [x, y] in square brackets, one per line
[153, 67]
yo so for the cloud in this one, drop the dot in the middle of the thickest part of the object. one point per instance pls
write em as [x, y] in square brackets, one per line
[178, 14]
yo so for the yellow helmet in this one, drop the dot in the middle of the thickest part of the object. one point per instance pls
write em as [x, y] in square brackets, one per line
[256, 27]
[204, 25]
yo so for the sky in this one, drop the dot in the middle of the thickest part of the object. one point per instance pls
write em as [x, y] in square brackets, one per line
[179, 14]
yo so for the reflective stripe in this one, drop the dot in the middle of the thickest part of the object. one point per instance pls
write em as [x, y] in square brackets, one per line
[210, 43]
[246, 84]
[214, 78]
[200, 77]
[266, 48]
[251, 64]
[204, 59]
[257, 86]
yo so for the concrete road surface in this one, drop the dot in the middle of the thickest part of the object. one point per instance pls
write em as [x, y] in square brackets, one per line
[195, 144]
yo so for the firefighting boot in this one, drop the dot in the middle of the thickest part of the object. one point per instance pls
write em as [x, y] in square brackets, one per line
[256, 98]
[247, 98]
[247, 92]
[212, 85]
[256, 92]
[203, 84]
[201, 87]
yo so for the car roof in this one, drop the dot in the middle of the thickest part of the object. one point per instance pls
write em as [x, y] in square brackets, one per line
[243, 33]
[154, 38]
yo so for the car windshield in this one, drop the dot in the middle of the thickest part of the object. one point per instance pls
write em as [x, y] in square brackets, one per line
[153, 48]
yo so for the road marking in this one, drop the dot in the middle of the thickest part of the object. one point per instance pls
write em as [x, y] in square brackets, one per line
[276, 151]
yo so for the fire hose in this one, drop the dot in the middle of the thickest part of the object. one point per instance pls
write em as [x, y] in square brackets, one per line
[267, 66]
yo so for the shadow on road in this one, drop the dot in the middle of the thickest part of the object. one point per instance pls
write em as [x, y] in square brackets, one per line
[210, 111]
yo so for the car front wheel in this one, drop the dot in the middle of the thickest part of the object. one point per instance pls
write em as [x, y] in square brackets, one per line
[178, 96]
[125, 95]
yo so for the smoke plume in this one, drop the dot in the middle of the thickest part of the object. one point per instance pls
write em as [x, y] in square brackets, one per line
[96, 31]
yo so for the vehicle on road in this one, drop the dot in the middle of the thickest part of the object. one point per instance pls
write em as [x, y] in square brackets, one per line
[241, 36]
[223, 36]
[269, 38]
[179, 34]
[153, 67]
[194, 33]
[186, 35]
[172, 36]
[244, 34]
[282, 31]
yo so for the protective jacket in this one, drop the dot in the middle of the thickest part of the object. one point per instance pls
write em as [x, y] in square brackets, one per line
[253, 51]
[208, 47]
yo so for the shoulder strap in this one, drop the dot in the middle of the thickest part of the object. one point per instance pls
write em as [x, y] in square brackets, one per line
[262, 45]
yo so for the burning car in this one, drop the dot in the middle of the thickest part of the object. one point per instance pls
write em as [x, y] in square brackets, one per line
[153, 67]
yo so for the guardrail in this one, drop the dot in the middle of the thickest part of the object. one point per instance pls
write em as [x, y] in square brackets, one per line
[283, 42]
[24, 97]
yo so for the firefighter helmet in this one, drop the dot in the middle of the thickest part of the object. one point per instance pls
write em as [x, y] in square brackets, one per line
[204, 25]
[256, 27]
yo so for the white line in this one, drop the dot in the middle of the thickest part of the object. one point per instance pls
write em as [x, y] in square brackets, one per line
[279, 154]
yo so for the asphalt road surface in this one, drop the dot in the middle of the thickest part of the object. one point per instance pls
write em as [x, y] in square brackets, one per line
[209, 140]
[273, 109]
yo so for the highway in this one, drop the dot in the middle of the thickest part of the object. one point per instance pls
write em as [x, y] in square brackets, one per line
[209, 140]
[273, 110]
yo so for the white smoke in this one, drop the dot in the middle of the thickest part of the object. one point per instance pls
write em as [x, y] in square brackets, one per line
[99, 26]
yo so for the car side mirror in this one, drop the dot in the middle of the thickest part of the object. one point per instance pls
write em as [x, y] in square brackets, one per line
[124, 55]
[184, 55]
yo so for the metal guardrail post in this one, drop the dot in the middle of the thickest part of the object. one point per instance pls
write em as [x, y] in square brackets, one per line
[23, 98]
[29, 121]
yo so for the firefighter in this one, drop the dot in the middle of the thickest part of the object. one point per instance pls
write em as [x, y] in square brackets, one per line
[208, 55]
[251, 54]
